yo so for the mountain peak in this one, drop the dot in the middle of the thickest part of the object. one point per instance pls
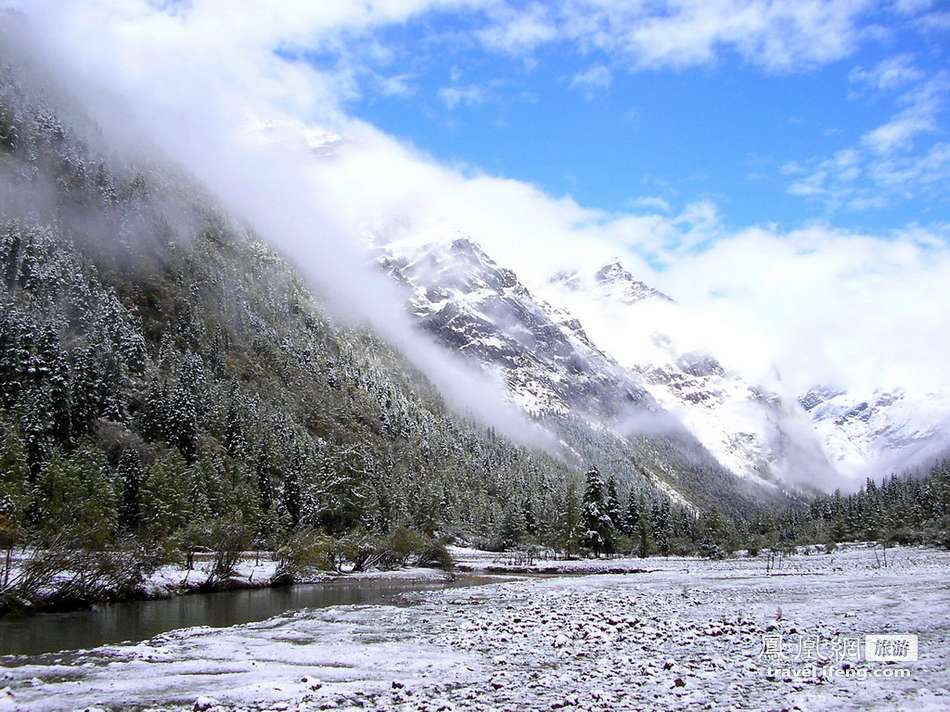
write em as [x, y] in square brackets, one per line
[613, 271]
[612, 282]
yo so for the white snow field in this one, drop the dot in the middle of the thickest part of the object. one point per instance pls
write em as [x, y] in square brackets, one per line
[690, 635]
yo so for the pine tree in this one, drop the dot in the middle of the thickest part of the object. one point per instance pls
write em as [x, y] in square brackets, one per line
[530, 519]
[512, 528]
[661, 526]
[130, 475]
[290, 493]
[15, 495]
[167, 497]
[569, 520]
[643, 535]
[75, 496]
[633, 515]
[598, 534]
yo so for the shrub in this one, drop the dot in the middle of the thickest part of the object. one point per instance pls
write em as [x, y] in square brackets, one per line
[711, 550]
[402, 545]
[303, 551]
[436, 555]
[363, 551]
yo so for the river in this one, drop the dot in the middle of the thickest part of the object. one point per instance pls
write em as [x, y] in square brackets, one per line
[134, 621]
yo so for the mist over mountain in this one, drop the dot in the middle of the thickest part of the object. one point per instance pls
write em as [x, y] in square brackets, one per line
[591, 366]
[474, 354]
[169, 376]
[617, 349]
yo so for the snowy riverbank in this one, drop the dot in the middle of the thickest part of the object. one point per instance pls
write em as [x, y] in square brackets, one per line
[250, 572]
[254, 570]
[690, 634]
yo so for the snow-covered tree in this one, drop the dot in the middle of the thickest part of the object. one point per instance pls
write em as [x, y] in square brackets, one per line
[598, 527]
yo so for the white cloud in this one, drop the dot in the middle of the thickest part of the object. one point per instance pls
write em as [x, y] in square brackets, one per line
[396, 85]
[779, 36]
[453, 96]
[923, 104]
[888, 73]
[517, 31]
[899, 131]
[885, 164]
[595, 77]
[825, 305]
[911, 7]
[652, 202]
[934, 21]
[776, 35]
[156, 81]
[847, 308]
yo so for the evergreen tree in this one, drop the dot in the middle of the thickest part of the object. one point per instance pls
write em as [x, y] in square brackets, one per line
[15, 493]
[129, 473]
[598, 534]
[661, 526]
[569, 520]
[643, 537]
[512, 529]
[75, 497]
[167, 497]
[631, 518]
[530, 520]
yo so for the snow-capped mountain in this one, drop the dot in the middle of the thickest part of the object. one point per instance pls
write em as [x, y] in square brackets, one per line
[611, 283]
[604, 343]
[750, 429]
[553, 365]
[481, 309]
[885, 430]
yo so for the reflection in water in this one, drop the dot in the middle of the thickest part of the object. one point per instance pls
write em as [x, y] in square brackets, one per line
[139, 620]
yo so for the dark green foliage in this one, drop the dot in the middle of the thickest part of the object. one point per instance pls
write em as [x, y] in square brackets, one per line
[160, 361]
[913, 508]
[164, 364]
[513, 528]
[614, 511]
[569, 525]
[598, 527]
[129, 475]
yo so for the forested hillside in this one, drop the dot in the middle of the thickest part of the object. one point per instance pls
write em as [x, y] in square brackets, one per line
[169, 383]
[162, 367]
[166, 376]
[911, 508]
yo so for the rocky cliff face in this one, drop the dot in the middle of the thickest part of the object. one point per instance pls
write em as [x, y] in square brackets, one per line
[748, 428]
[605, 344]
[478, 308]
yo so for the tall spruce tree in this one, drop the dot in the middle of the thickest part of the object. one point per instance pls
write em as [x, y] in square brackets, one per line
[598, 527]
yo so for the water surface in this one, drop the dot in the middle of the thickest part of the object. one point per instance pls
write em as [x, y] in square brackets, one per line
[134, 621]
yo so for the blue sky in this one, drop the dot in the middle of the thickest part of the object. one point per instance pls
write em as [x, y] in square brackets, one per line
[780, 167]
[760, 142]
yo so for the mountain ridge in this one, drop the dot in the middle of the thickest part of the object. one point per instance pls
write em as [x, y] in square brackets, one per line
[750, 429]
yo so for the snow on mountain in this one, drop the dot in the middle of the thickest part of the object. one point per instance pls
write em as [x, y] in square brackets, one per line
[598, 342]
[552, 364]
[478, 308]
[612, 283]
[749, 429]
[873, 433]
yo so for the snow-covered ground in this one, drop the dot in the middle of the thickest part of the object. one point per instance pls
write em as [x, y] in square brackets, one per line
[689, 634]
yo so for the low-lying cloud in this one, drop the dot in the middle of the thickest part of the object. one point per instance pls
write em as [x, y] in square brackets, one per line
[813, 305]
[159, 107]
